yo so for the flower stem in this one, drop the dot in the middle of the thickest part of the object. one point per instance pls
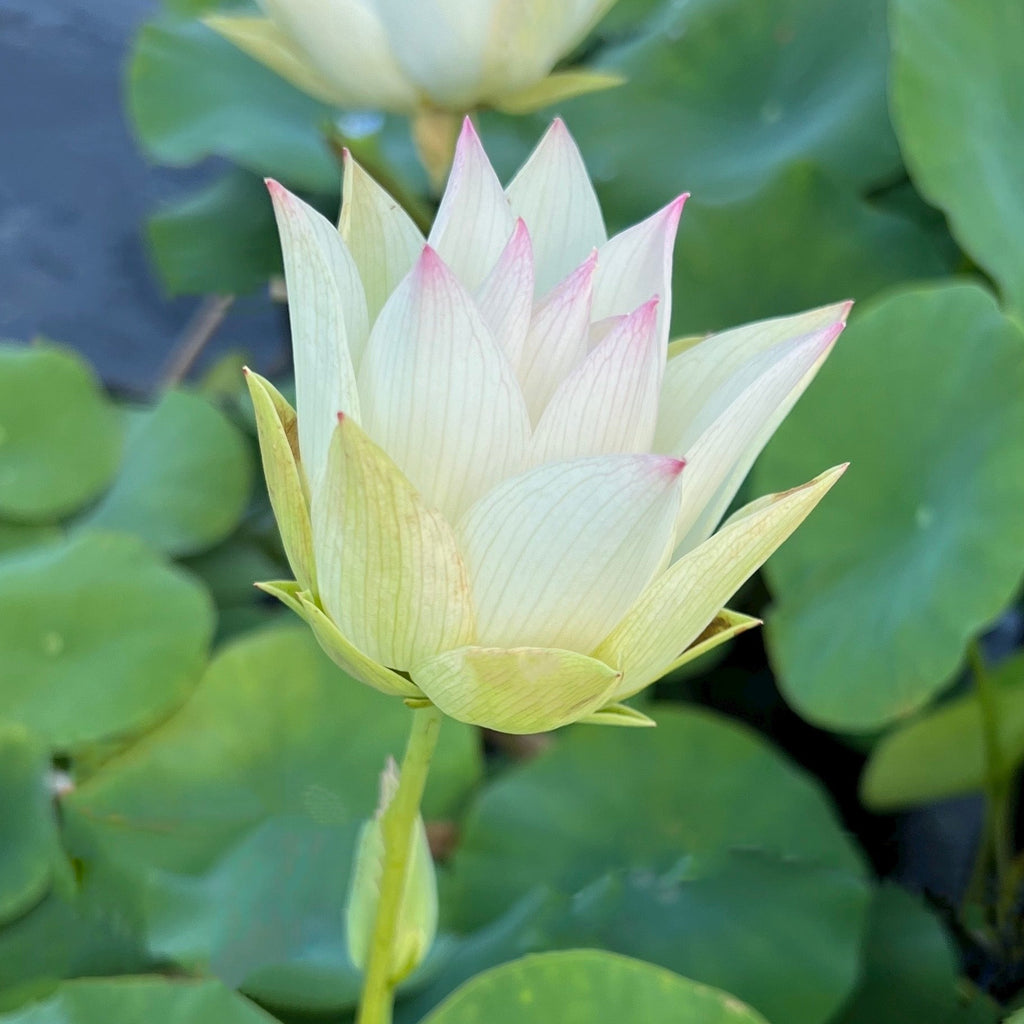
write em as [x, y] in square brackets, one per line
[397, 825]
[998, 792]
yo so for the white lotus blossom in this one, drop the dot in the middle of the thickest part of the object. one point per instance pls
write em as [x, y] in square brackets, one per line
[502, 487]
[402, 56]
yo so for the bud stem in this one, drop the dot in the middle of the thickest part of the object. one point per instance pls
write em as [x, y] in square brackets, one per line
[397, 824]
[434, 133]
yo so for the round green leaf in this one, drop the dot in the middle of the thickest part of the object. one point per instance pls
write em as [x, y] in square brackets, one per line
[588, 986]
[59, 436]
[800, 241]
[910, 971]
[221, 238]
[958, 75]
[192, 95]
[30, 846]
[133, 1000]
[185, 479]
[726, 93]
[693, 845]
[231, 829]
[942, 753]
[100, 638]
[922, 542]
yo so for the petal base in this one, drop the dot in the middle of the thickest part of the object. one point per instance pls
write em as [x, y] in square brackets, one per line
[516, 690]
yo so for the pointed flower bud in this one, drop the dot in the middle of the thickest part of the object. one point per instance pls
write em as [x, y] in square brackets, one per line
[503, 488]
[417, 916]
[436, 54]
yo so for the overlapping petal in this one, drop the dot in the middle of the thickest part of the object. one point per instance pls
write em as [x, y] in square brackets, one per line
[474, 220]
[677, 607]
[380, 235]
[439, 394]
[552, 193]
[389, 570]
[557, 555]
[505, 299]
[521, 690]
[327, 310]
[609, 403]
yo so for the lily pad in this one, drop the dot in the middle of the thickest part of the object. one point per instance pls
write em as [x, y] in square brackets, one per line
[729, 92]
[979, 181]
[219, 239]
[185, 479]
[911, 970]
[193, 95]
[261, 781]
[30, 847]
[726, 863]
[131, 1000]
[922, 543]
[60, 439]
[100, 638]
[588, 987]
[942, 753]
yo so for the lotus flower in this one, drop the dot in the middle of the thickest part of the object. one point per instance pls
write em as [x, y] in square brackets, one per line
[501, 489]
[403, 56]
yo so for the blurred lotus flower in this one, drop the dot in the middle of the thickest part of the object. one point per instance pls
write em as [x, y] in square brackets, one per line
[501, 490]
[453, 55]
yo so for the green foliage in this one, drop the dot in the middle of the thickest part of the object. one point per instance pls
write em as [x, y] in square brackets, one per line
[693, 845]
[100, 638]
[910, 969]
[922, 543]
[228, 835]
[979, 180]
[131, 1000]
[185, 478]
[941, 753]
[587, 987]
[220, 239]
[59, 435]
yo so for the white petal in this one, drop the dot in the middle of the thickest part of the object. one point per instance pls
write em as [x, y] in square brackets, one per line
[557, 555]
[440, 45]
[327, 310]
[474, 220]
[698, 374]
[679, 604]
[381, 236]
[609, 403]
[505, 299]
[558, 337]
[346, 43]
[553, 194]
[758, 399]
[637, 264]
[389, 570]
[439, 394]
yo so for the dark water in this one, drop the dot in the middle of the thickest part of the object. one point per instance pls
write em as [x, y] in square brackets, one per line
[74, 193]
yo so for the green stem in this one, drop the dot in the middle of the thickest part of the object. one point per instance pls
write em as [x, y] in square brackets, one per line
[998, 791]
[397, 826]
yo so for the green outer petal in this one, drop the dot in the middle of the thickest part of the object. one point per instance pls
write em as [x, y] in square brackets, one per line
[262, 40]
[618, 714]
[557, 87]
[278, 444]
[517, 689]
[678, 606]
[724, 626]
[343, 653]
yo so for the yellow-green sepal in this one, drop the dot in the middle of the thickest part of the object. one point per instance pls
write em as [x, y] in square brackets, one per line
[619, 714]
[276, 425]
[556, 88]
[516, 690]
[724, 626]
[343, 653]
